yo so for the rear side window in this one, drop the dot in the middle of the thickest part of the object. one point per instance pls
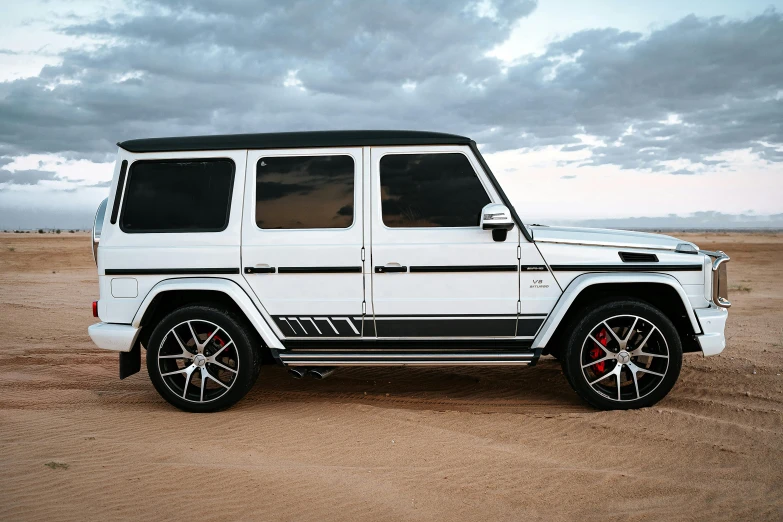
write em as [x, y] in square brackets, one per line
[304, 192]
[430, 190]
[178, 196]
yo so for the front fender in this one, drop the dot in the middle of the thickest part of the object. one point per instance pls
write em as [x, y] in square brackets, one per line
[586, 280]
[225, 286]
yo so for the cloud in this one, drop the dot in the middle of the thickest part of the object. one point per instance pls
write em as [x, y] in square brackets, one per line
[25, 177]
[688, 91]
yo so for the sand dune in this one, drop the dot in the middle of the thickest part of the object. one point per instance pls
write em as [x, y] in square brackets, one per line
[379, 443]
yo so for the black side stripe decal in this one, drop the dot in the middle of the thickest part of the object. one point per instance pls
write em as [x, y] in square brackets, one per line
[170, 271]
[627, 268]
[465, 268]
[319, 270]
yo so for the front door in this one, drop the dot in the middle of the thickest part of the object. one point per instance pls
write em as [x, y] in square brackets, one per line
[436, 273]
[302, 240]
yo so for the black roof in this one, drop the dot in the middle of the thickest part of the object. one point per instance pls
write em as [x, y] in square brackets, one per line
[292, 140]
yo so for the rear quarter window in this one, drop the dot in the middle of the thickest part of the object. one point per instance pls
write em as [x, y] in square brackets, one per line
[191, 195]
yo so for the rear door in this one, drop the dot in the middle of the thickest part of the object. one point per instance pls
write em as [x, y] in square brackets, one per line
[302, 240]
[436, 274]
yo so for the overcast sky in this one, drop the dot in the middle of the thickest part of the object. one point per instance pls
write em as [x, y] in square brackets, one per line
[600, 109]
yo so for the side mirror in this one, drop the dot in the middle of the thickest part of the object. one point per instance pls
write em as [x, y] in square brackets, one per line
[497, 218]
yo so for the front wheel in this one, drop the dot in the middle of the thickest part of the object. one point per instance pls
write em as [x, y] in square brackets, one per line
[622, 355]
[201, 359]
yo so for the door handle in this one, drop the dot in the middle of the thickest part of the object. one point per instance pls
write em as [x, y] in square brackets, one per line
[260, 270]
[390, 268]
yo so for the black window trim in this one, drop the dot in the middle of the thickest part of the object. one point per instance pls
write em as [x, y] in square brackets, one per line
[115, 208]
[302, 154]
[179, 230]
[425, 151]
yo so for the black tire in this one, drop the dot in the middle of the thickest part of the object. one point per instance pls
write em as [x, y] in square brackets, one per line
[235, 364]
[643, 380]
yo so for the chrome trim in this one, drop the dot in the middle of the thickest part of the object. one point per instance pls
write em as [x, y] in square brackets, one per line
[719, 255]
[686, 248]
[408, 359]
[496, 216]
[418, 363]
[719, 278]
[398, 356]
[604, 244]
[432, 338]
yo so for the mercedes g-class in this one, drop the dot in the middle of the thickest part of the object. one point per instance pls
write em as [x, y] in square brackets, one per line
[322, 249]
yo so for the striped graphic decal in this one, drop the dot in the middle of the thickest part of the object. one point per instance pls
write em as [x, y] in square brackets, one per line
[319, 326]
[421, 326]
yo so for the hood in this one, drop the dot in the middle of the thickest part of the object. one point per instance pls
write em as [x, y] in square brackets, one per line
[604, 237]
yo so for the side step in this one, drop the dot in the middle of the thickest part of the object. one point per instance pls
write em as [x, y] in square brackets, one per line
[376, 358]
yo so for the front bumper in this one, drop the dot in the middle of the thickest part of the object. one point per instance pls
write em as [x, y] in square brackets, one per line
[713, 324]
[115, 337]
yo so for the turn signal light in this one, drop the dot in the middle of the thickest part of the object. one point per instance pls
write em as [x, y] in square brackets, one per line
[95, 308]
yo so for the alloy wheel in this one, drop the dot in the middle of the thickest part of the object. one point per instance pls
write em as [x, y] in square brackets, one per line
[198, 361]
[624, 358]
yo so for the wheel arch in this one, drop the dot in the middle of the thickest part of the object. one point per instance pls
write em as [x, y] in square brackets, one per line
[174, 293]
[660, 290]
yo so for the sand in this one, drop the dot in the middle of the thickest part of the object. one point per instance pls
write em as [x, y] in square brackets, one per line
[76, 443]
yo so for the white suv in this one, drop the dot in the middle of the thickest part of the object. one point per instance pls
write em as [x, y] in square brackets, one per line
[322, 249]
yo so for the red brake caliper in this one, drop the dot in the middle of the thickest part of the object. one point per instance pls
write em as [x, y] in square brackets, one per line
[218, 341]
[596, 352]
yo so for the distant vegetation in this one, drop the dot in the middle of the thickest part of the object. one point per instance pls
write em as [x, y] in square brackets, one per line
[44, 231]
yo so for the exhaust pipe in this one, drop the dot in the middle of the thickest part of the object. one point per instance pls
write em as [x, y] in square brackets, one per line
[321, 372]
[298, 372]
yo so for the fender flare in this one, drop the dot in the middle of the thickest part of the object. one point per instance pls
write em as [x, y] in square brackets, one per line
[583, 281]
[225, 286]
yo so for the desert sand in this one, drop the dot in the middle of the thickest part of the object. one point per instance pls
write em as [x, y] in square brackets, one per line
[76, 443]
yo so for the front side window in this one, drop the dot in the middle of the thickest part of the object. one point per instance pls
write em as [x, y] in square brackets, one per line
[430, 190]
[178, 196]
[295, 192]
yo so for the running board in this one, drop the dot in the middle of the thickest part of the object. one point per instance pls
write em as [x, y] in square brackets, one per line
[322, 358]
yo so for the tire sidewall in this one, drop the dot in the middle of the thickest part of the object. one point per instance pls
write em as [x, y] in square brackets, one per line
[248, 359]
[572, 364]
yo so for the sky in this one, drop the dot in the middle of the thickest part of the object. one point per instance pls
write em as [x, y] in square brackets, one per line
[600, 110]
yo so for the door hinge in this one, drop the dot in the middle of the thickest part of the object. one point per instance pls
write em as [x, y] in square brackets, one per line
[519, 307]
[519, 252]
[364, 307]
[362, 253]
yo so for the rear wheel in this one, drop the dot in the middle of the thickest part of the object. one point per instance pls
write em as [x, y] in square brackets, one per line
[201, 359]
[622, 355]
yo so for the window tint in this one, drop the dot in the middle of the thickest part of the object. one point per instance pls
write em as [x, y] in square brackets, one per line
[430, 190]
[178, 196]
[304, 192]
